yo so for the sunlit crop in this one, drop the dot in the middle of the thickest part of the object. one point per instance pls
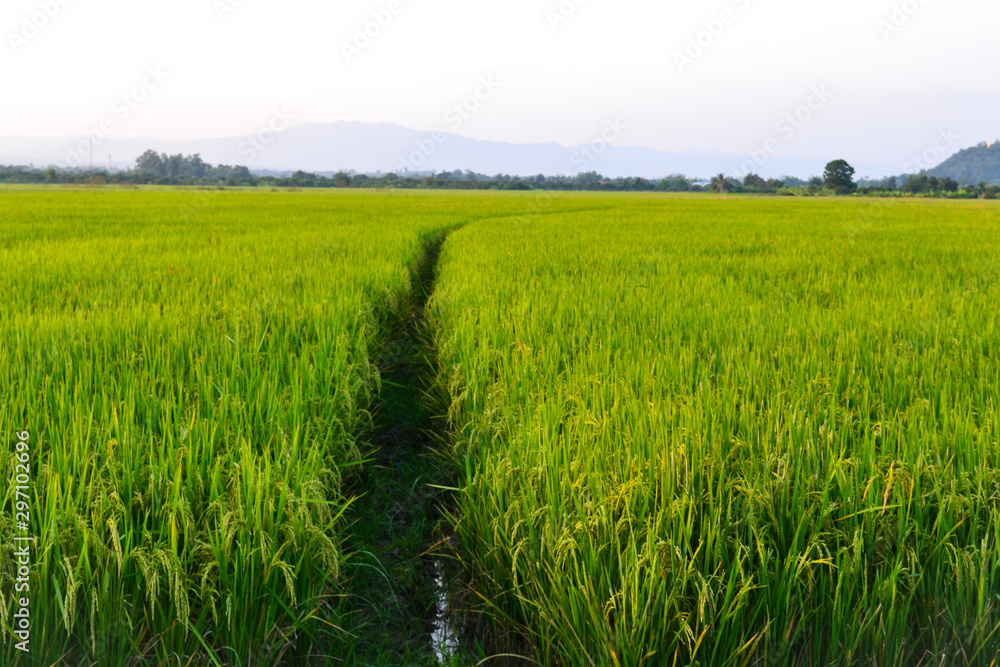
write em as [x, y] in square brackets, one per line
[687, 430]
[194, 369]
[730, 432]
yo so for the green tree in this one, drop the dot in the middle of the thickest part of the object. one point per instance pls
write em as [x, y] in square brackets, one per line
[152, 163]
[916, 183]
[719, 183]
[839, 177]
[588, 177]
[174, 166]
[198, 166]
[676, 183]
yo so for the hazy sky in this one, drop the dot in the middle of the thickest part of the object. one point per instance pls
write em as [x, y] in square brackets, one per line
[884, 78]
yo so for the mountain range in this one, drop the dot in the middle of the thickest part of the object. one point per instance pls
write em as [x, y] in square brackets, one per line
[384, 147]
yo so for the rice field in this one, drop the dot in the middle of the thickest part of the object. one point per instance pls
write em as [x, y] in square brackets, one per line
[194, 368]
[685, 430]
[730, 432]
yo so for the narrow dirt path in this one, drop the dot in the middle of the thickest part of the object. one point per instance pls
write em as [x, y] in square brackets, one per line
[391, 575]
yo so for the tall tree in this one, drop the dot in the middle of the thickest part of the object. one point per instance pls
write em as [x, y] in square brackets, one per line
[839, 177]
[198, 166]
[152, 163]
[720, 183]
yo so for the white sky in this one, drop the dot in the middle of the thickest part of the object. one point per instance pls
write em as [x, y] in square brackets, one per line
[891, 94]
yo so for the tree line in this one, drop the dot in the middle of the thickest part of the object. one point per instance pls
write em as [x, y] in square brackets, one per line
[152, 168]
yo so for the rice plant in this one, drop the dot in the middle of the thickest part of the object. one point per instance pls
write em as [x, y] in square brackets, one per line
[730, 432]
[687, 430]
[194, 370]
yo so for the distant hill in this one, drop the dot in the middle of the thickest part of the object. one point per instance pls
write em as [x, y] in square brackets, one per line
[972, 165]
[367, 148]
